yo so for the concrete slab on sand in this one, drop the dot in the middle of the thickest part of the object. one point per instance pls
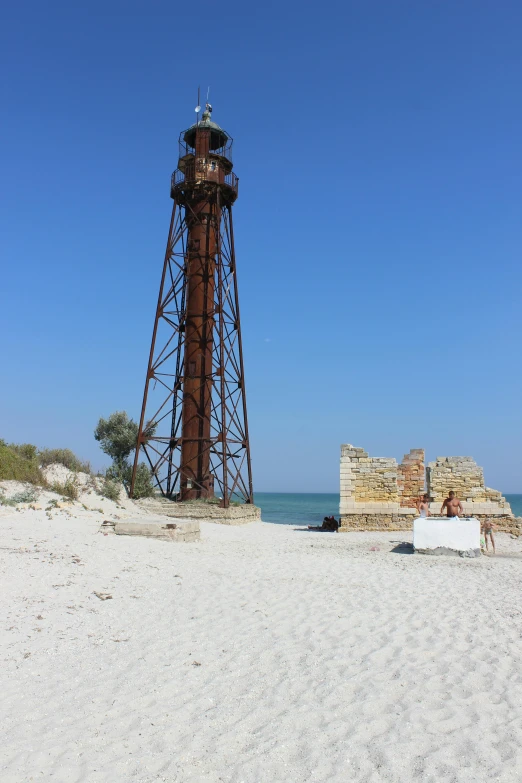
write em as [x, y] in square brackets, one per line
[158, 527]
[241, 514]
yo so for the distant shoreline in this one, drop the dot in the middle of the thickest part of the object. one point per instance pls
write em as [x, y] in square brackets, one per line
[276, 492]
[309, 508]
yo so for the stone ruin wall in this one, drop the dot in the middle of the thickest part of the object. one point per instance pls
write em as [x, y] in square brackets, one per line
[411, 478]
[464, 477]
[374, 478]
[370, 498]
[379, 494]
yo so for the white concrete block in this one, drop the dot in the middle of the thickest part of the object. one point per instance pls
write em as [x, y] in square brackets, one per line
[443, 535]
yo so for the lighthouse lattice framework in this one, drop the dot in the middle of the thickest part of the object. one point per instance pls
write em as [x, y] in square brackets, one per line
[193, 431]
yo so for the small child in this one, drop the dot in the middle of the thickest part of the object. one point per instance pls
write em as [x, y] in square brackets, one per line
[423, 505]
[486, 529]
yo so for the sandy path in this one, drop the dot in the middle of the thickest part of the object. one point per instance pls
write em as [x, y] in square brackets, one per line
[259, 654]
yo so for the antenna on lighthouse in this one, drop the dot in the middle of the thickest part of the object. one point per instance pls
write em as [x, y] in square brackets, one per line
[198, 109]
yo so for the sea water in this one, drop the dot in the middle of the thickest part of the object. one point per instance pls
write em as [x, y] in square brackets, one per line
[308, 508]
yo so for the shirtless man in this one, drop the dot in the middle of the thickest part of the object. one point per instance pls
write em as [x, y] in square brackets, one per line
[452, 505]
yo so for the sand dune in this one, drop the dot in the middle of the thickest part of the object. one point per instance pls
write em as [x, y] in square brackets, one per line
[257, 654]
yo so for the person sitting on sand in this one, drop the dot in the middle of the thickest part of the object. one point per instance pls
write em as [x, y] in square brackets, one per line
[423, 505]
[486, 529]
[452, 505]
[329, 523]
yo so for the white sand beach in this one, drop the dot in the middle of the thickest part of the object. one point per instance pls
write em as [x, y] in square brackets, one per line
[258, 654]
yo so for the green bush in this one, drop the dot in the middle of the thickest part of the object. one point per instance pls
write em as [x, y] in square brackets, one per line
[121, 474]
[111, 489]
[20, 463]
[25, 450]
[26, 496]
[143, 487]
[63, 457]
[69, 489]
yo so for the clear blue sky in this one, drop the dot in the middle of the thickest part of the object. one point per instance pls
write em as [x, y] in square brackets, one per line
[378, 228]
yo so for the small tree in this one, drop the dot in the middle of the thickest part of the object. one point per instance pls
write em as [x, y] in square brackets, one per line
[118, 436]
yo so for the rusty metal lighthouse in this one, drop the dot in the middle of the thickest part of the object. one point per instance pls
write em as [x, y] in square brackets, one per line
[193, 428]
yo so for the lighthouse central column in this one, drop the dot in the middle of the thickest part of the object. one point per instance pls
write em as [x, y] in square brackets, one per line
[203, 224]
